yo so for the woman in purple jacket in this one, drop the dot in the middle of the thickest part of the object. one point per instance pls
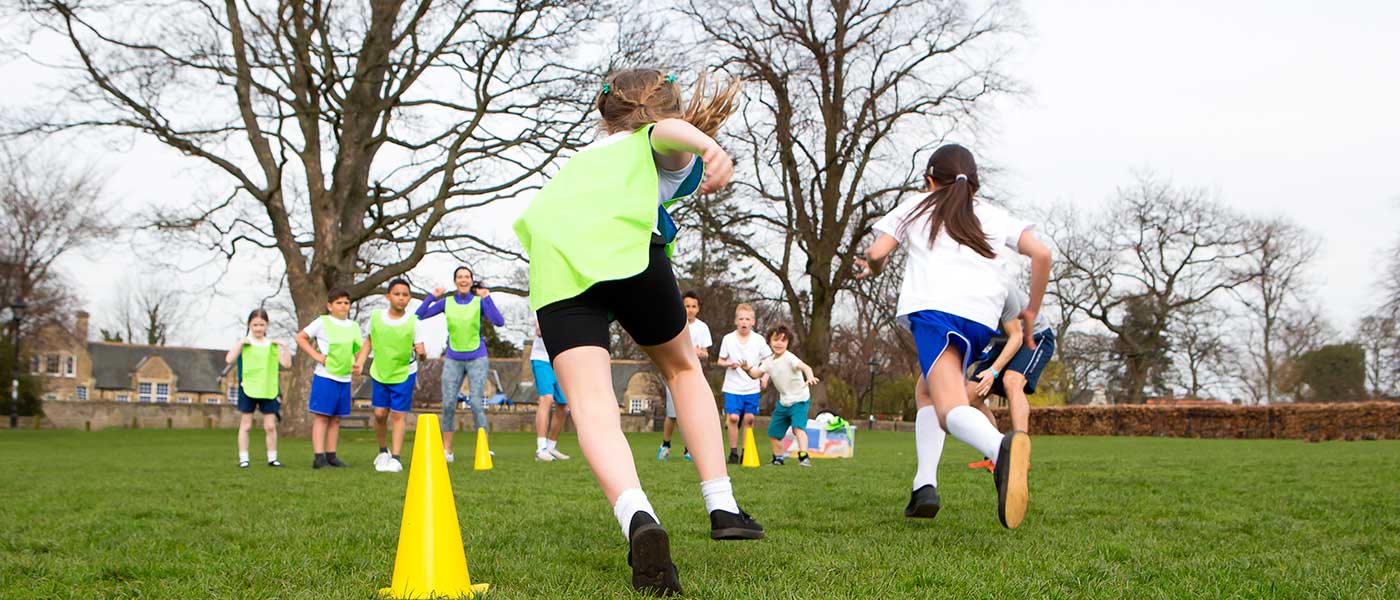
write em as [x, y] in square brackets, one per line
[466, 347]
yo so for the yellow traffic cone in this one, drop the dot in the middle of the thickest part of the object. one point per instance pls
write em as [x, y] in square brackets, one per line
[483, 450]
[431, 562]
[750, 449]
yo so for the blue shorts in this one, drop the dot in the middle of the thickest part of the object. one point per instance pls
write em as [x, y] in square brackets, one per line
[246, 404]
[794, 416]
[397, 397]
[546, 384]
[1027, 362]
[740, 403]
[935, 330]
[329, 397]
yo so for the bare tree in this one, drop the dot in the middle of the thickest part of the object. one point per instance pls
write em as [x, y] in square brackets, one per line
[146, 311]
[1154, 251]
[1281, 252]
[1379, 336]
[833, 87]
[1201, 351]
[46, 212]
[354, 137]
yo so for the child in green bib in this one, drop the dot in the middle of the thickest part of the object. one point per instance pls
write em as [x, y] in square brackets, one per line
[397, 346]
[597, 235]
[259, 361]
[337, 340]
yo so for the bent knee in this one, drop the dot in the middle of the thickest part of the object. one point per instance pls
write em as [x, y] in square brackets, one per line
[1013, 379]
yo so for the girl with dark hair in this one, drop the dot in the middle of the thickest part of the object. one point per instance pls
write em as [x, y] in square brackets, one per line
[259, 361]
[598, 236]
[951, 300]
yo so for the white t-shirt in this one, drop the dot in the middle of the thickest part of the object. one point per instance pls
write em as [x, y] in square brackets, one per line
[736, 381]
[786, 374]
[700, 334]
[948, 276]
[668, 182]
[1016, 301]
[417, 336]
[538, 351]
[317, 331]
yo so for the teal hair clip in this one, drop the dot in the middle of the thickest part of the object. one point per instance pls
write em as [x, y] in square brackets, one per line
[607, 88]
[670, 79]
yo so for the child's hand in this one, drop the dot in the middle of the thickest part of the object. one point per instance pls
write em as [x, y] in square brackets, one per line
[813, 381]
[358, 368]
[984, 382]
[320, 359]
[863, 270]
[719, 168]
[1028, 317]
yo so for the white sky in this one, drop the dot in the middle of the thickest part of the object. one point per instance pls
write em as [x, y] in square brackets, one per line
[1284, 108]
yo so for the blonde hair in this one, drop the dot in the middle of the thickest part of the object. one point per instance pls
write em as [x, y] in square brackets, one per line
[634, 98]
[743, 306]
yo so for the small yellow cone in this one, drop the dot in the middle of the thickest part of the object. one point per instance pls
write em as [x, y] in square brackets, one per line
[750, 449]
[483, 450]
[431, 562]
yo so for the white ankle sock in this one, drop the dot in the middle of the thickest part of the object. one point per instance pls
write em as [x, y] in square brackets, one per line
[928, 445]
[549, 445]
[540, 444]
[242, 457]
[971, 426]
[719, 495]
[631, 502]
[271, 455]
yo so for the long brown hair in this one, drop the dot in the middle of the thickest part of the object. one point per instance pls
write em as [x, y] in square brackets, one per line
[954, 169]
[634, 98]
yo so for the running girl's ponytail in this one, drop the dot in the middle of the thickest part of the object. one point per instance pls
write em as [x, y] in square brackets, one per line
[633, 98]
[949, 207]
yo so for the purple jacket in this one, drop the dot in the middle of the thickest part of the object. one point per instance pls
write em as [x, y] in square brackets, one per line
[433, 307]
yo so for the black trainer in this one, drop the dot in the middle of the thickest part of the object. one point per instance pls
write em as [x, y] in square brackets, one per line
[777, 461]
[320, 462]
[1013, 490]
[733, 458]
[335, 461]
[649, 555]
[274, 463]
[923, 503]
[725, 525]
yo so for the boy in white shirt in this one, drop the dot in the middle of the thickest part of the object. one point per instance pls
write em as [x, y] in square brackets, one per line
[700, 338]
[787, 373]
[337, 340]
[740, 347]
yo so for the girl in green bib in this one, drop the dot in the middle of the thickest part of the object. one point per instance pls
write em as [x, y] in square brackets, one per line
[259, 361]
[597, 236]
[337, 340]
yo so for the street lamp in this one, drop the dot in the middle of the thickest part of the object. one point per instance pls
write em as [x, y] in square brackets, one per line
[870, 391]
[16, 313]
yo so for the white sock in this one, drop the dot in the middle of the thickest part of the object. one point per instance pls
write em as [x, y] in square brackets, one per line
[271, 455]
[629, 503]
[540, 444]
[551, 445]
[928, 445]
[971, 426]
[719, 495]
[242, 457]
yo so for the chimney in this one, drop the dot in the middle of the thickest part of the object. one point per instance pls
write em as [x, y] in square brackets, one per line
[80, 327]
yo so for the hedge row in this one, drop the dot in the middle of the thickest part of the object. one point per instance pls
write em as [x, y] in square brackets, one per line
[1311, 422]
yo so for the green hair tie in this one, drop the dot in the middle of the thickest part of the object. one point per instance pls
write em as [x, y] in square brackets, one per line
[607, 88]
[670, 79]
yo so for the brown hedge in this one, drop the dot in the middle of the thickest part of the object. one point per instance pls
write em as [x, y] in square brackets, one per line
[1312, 422]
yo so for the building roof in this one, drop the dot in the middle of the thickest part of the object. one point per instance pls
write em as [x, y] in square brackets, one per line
[198, 370]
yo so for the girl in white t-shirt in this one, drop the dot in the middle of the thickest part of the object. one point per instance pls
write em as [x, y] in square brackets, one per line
[951, 299]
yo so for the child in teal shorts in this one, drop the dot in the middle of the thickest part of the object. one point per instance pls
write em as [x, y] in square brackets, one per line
[792, 377]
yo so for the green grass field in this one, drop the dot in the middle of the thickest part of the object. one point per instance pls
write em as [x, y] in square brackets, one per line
[165, 514]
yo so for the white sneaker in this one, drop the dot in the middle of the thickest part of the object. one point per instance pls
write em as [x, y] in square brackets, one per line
[544, 456]
[557, 454]
[380, 460]
[449, 456]
[393, 465]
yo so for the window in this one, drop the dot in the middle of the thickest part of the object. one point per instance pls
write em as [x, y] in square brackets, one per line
[51, 364]
[163, 393]
[211, 400]
[70, 366]
[143, 392]
[50, 397]
[123, 398]
[82, 393]
[233, 394]
[637, 405]
[36, 364]
[185, 400]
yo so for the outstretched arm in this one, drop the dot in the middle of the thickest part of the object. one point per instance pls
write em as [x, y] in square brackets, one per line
[876, 256]
[1040, 277]
[674, 141]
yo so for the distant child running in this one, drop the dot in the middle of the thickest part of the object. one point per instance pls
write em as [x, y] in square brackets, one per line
[736, 349]
[259, 361]
[597, 237]
[397, 344]
[337, 339]
[951, 297]
[553, 407]
[792, 377]
[700, 337]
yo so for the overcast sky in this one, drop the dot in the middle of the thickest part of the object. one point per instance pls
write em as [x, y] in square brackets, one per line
[1284, 108]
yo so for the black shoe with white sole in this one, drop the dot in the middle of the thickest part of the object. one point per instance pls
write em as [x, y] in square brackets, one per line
[649, 555]
[725, 525]
[274, 463]
[1010, 474]
[923, 503]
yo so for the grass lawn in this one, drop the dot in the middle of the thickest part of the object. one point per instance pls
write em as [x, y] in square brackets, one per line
[165, 514]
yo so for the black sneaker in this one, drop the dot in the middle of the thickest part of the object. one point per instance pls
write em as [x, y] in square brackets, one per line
[733, 458]
[649, 555]
[273, 463]
[335, 461]
[725, 525]
[777, 461]
[320, 462]
[242, 464]
[923, 503]
[1013, 490]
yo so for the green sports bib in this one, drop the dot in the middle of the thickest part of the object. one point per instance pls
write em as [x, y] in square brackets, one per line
[393, 348]
[592, 221]
[344, 342]
[259, 369]
[463, 323]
